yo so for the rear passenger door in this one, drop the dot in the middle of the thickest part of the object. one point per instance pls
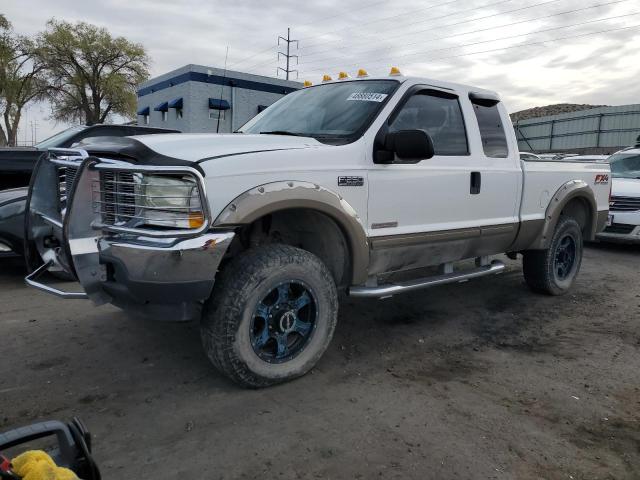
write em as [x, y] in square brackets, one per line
[496, 158]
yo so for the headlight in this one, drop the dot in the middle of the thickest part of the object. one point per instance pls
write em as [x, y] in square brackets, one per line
[170, 201]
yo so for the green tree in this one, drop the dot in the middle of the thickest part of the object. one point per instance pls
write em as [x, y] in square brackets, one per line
[91, 74]
[21, 79]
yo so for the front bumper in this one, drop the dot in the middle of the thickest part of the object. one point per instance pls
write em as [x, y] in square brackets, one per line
[620, 233]
[625, 227]
[135, 270]
[129, 268]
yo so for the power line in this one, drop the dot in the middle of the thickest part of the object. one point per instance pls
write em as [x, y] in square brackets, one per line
[480, 30]
[252, 56]
[504, 38]
[540, 42]
[461, 22]
[340, 14]
[256, 65]
[262, 63]
[311, 23]
[360, 25]
[414, 23]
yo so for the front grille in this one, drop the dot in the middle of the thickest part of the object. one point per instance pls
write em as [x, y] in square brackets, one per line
[624, 204]
[620, 228]
[118, 197]
[66, 179]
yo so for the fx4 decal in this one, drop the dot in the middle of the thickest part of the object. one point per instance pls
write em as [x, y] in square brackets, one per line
[601, 179]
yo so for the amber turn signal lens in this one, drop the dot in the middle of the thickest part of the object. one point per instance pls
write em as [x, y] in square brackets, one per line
[196, 220]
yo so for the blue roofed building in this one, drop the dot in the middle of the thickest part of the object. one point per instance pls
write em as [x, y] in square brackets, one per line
[199, 99]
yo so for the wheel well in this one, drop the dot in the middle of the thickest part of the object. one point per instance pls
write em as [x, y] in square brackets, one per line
[304, 228]
[580, 209]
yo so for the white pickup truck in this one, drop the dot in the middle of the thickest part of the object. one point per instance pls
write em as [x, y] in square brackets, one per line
[370, 187]
[624, 205]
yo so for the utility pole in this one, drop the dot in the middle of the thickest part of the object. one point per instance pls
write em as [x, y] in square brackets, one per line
[287, 55]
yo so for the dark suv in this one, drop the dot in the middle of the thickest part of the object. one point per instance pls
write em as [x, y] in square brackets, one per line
[17, 163]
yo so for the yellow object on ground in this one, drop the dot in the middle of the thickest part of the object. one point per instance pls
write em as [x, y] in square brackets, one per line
[37, 465]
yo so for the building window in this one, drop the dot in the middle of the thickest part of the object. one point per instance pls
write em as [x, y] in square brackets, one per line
[165, 116]
[178, 113]
[214, 114]
[145, 119]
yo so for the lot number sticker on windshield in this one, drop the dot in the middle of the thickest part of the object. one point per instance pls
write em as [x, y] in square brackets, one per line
[367, 97]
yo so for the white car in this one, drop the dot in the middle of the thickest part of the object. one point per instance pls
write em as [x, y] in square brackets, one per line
[372, 187]
[529, 156]
[624, 206]
[589, 158]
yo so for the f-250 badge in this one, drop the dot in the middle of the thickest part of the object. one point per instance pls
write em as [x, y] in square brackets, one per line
[350, 181]
[601, 178]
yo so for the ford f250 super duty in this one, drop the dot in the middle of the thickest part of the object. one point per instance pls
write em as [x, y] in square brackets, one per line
[370, 187]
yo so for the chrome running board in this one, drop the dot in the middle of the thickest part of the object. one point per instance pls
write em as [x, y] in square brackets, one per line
[388, 290]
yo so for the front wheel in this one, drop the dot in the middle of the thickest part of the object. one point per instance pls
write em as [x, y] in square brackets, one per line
[271, 316]
[553, 271]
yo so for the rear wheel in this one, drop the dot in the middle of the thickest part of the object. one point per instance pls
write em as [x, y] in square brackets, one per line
[553, 271]
[271, 316]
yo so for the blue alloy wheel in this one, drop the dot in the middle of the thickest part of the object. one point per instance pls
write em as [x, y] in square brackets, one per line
[283, 322]
[565, 257]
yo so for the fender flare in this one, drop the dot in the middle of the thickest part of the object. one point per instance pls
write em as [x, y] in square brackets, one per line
[573, 189]
[283, 195]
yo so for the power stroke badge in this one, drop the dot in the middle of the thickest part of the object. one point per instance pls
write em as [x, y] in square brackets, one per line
[350, 181]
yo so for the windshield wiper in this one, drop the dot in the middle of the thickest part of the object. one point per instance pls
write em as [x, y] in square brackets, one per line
[283, 132]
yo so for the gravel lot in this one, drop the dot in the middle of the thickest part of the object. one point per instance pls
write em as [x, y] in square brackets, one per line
[483, 380]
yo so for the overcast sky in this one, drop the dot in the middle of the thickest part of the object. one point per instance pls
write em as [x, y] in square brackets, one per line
[590, 54]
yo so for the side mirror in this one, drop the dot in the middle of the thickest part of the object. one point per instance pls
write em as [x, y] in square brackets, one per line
[410, 146]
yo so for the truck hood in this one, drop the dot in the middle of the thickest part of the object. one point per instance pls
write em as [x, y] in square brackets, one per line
[14, 160]
[195, 147]
[190, 149]
[625, 187]
[13, 194]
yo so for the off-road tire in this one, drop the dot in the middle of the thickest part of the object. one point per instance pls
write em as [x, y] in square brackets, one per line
[539, 265]
[239, 287]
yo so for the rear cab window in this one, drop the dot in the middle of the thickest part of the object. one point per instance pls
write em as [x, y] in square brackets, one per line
[492, 133]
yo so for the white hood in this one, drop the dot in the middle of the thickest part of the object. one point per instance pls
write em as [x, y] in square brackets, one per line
[198, 146]
[625, 187]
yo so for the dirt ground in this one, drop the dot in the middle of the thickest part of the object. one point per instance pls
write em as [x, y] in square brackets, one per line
[481, 380]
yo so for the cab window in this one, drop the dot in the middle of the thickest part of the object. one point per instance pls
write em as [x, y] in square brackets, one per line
[494, 140]
[440, 115]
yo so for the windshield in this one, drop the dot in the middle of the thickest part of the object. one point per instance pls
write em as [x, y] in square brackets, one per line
[625, 165]
[59, 138]
[334, 110]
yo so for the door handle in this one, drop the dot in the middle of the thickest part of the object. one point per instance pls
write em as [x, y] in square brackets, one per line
[476, 183]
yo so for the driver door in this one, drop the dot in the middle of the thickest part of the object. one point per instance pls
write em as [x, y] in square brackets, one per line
[428, 212]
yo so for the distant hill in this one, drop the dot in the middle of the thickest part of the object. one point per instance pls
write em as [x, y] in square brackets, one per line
[547, 110]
